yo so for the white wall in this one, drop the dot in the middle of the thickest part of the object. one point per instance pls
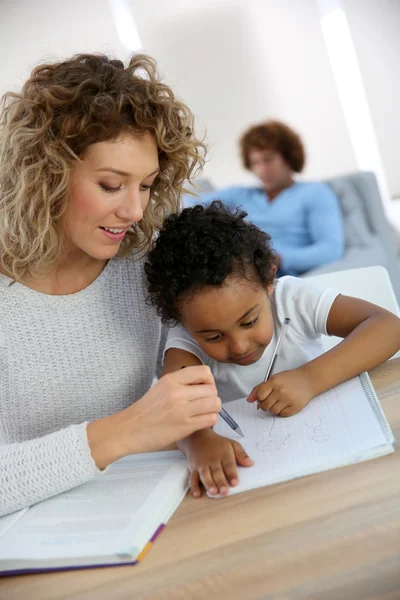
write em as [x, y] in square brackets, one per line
[40, 29]
[375, 28]
[236, 63]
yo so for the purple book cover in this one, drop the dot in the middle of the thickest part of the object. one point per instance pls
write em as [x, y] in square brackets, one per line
[80, 567]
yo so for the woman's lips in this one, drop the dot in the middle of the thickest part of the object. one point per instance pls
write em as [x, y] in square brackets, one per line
[115, 237]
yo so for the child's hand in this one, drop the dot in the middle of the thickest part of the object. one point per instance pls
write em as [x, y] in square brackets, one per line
[212, 461]
[284, 394]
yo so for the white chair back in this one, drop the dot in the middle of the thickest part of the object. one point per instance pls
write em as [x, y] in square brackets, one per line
[368, 283]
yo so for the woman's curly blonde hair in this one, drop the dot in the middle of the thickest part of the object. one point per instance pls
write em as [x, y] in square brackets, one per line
[62, 109]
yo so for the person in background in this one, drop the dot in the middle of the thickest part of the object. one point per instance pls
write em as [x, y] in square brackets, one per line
[93, 154]
[303, 218]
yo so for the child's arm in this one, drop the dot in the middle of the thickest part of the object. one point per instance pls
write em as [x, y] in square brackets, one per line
[371, 336]
[175, 359]
[212, 458]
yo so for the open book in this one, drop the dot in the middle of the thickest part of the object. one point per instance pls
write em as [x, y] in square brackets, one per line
[340, 427]
[108, 521]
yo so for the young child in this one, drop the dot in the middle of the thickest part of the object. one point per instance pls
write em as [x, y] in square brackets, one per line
[212, 274]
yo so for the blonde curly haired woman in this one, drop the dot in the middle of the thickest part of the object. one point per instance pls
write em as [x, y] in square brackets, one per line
[92, 156]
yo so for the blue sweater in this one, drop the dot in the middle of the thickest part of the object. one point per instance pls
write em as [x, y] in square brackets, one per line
[304, 221]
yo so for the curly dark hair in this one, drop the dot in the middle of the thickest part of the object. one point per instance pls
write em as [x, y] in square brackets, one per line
[273, 135]
[201, 247]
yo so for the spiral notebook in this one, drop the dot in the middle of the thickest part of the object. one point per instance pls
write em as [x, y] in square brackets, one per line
[340, 427]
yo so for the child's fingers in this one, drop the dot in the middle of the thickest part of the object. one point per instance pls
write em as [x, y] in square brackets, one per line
[269, 402]
[207, 480]
[278, 407]
[242, 458]
[220, 479]
[252, 397]
[289, 411]
[230, 469]
[236, 455]
[194, 483]
[264, 391]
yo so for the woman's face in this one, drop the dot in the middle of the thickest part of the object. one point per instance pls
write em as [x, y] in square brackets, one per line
[271, 168]
[110, 189]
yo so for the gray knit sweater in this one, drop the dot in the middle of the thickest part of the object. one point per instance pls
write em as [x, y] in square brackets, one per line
[65, 361]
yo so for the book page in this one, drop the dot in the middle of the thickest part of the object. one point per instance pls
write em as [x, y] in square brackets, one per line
[104, 516]
[336, 428]
[9, 521]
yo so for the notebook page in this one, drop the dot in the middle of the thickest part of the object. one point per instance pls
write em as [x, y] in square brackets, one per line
[336, 428]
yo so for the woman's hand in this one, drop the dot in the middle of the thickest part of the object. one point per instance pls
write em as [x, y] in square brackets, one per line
[285, 393]
[177, 405]
[212, 461]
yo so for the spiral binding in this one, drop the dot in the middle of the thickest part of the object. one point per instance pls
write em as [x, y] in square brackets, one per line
[376, 407]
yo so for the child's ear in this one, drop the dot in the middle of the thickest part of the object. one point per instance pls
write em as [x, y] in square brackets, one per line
[271, 286]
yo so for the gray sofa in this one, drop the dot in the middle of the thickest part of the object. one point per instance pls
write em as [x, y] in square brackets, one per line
[368, 235]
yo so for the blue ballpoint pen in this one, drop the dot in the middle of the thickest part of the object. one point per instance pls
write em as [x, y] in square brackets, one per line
[231, 422]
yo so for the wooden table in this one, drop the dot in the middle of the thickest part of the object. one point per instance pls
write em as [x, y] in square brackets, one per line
[333, 536]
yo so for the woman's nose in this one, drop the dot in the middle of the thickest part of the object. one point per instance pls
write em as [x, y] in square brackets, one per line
[131, 208]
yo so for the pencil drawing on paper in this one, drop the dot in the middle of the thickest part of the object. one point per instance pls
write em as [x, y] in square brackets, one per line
[313, 429]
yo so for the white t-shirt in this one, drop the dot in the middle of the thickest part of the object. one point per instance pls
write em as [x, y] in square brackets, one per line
[305, 303]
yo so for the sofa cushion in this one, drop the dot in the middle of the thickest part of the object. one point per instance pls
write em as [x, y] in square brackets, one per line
[356, 228]
[355, 257]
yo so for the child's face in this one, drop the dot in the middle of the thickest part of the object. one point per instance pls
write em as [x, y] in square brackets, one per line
[232, 324]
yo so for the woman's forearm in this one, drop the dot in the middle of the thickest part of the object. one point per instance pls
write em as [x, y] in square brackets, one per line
[37, 469]
[106, 440]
